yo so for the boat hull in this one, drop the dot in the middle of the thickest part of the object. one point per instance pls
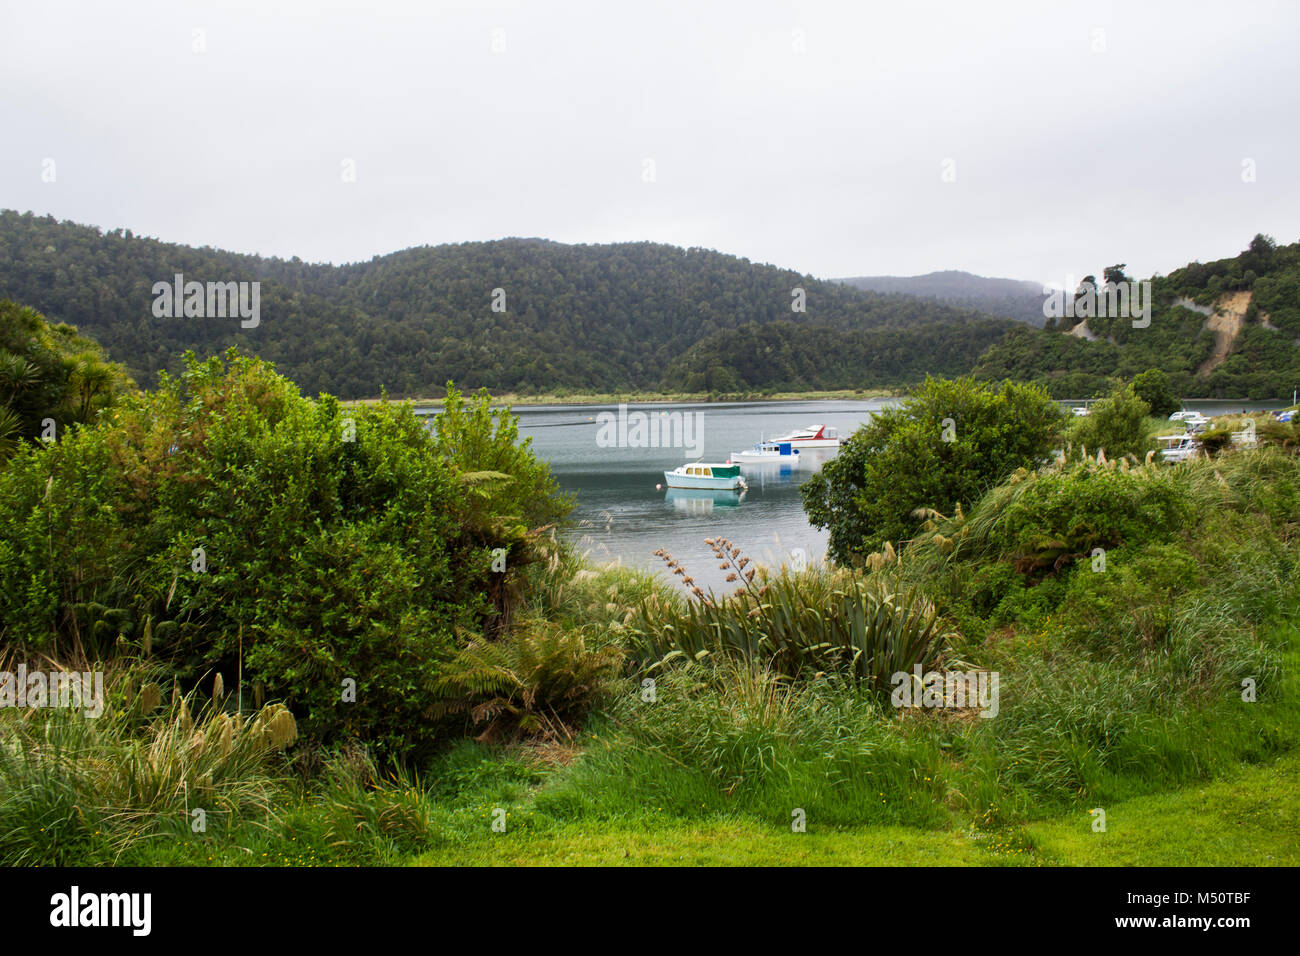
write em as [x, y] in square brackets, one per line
[702, 483]
[815, 442]
[749, 458]
[814, 436]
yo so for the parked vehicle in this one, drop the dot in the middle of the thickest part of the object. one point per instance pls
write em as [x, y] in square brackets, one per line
[1189, 417]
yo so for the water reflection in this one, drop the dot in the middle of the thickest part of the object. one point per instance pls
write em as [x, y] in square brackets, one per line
[702, 501]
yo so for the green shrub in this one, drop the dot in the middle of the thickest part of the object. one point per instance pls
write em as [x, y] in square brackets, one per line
[539, 679]
[223, 522]
[947, 445]
[1133, 602]
[1153, 387]
[50, 374]
[1116, 425]
[1061, 515]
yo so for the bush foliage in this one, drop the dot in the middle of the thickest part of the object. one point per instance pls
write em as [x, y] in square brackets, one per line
[223, 522]
[947, 445]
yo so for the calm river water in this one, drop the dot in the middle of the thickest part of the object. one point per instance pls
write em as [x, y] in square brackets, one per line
[621, 516]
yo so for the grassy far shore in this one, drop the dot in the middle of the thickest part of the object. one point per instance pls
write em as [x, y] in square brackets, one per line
[683, 398]
[516, 400]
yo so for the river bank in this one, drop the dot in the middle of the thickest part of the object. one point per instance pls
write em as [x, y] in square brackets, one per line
[651, 398]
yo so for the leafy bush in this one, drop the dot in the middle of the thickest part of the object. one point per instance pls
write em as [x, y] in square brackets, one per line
[947, 445]
[1152, 386]
[1117, 425]
[1062, 515]
[223, 522]
[539, 679]
[1133, 601]
[49, 373]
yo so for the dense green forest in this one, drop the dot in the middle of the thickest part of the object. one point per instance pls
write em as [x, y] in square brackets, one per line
[576, 317]
[789, 356]
[1262, 359]
[530, 316]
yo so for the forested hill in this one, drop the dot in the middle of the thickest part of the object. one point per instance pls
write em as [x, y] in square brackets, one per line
[788, 356]
[1223, 329]
[577, 317]
[1012, 298]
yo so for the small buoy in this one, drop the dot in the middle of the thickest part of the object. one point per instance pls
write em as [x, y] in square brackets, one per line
[659, 487]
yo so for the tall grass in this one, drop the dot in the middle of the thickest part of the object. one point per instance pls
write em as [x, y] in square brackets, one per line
[798, 624]
[738, 738]
[74, 788]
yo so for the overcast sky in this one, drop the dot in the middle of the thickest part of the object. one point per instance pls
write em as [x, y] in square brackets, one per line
[1030, 140]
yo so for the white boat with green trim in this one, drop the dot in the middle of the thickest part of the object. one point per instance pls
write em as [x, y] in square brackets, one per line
[700, 474]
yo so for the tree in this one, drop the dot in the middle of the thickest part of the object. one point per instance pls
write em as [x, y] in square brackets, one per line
[1117, 425]
[1152, 386]
[50, 376]
[1262, 244]
[948, 444]
[1114, 274]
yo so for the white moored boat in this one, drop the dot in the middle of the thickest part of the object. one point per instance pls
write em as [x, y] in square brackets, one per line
[700, 474]
[768, 452]
[1176, 448]
[814, 436]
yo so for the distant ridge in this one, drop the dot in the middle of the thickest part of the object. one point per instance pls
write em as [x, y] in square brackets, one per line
[1017, 299]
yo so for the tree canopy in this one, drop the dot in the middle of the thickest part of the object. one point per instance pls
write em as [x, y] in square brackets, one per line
[50, 378]
[945, 446]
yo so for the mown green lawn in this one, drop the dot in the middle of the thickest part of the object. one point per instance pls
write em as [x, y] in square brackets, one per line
[1252, 819]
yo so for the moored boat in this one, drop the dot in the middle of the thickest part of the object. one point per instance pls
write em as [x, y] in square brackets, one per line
[1175, 448]
[813, 436]
[699, 474]
[768, 452]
